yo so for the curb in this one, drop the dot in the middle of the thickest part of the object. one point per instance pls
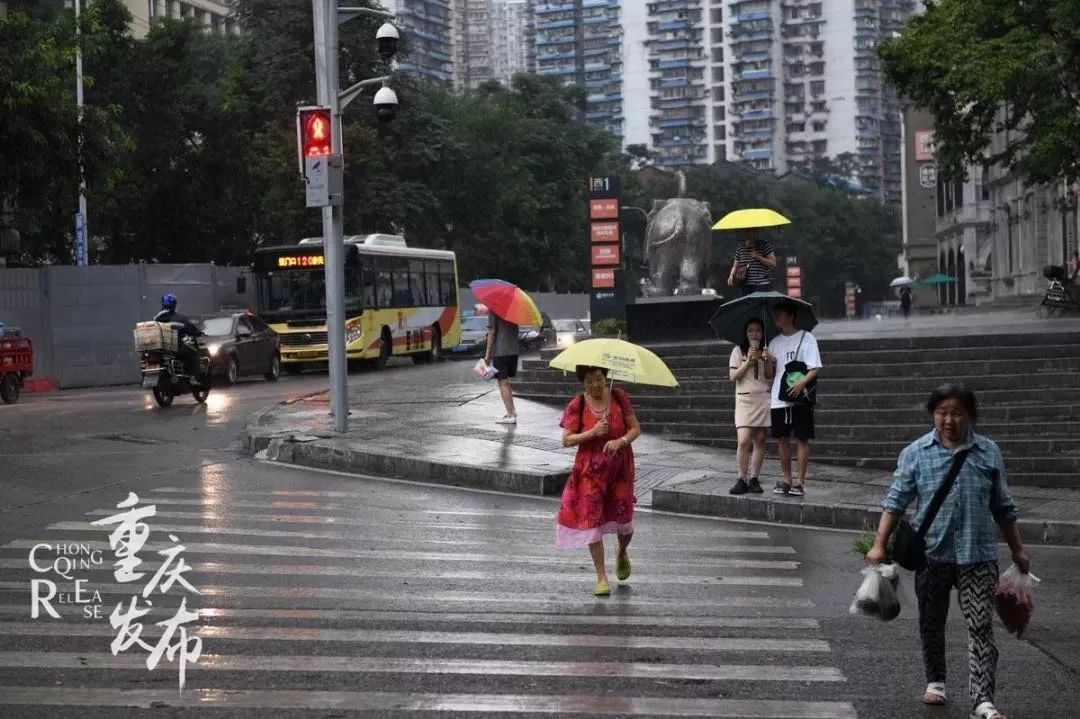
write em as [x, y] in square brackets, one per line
[309, 452]
[837, 516]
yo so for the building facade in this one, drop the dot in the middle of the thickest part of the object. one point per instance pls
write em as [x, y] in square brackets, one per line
[919, 256]
[473, 43]
[215, 16]
[428, 42]
[995, 233]
[513, 38]
[580, 42]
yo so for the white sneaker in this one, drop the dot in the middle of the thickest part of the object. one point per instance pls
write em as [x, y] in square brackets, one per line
[507, 420]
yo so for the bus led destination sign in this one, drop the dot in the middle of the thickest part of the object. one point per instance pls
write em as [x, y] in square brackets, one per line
[300, 261]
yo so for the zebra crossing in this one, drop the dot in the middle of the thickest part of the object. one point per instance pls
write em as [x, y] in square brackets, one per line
[312, 601]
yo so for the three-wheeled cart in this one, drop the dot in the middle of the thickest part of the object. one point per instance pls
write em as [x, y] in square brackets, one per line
[16, 364]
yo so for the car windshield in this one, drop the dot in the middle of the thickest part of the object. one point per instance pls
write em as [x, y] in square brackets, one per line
[475, 324]
[217, 326]
[565, 325]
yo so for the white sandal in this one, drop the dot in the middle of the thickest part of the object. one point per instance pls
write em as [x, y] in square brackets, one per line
[987, 710]
[934, 689]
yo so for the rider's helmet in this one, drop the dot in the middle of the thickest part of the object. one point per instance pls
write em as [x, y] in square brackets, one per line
[168, 301]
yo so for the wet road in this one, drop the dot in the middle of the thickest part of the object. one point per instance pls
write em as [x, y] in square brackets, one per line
[323, 595]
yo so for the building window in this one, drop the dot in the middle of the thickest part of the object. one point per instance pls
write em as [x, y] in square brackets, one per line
[819, 126]
[958, 194]
[940, 197]
[985, 185]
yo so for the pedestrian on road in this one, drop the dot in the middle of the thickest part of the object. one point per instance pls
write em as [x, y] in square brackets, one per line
[905, 301]
[792, 419]
[598, 498]
[752, 374]
[503, 346]
[961, 544]
[753, 265]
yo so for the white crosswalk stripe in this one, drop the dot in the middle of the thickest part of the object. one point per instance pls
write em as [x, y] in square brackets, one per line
[304, 583]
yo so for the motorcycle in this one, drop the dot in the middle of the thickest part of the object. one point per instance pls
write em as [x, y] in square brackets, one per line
[164, 371]
[1061, 296]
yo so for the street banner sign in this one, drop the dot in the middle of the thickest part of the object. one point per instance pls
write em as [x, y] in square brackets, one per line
[603, 279]
[605, 231]
[605, 255]
[604, 236]
[80, 239]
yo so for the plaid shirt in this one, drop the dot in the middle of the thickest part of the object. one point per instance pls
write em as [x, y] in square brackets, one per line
[964, 531]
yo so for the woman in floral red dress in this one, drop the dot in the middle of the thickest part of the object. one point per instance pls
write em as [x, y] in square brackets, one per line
[599, 496]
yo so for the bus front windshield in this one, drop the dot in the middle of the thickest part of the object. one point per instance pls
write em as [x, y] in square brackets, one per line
[302, 294]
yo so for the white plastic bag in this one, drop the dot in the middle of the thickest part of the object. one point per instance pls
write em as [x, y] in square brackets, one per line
[878, 596]
[483, 371]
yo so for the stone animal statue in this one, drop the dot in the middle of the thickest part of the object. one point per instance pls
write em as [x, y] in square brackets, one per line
[678, 244]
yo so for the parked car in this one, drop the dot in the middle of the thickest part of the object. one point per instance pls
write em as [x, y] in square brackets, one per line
[533, 338]
[567, 332]
[473, 335]
[241, 344]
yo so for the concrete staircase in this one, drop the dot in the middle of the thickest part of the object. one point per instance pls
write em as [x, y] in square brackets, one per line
[872, 397]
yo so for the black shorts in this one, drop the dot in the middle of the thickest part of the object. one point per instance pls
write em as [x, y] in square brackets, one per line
[507, 366]
[796, 421]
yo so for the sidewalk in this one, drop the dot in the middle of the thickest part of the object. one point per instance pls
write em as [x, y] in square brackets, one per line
[447, 435]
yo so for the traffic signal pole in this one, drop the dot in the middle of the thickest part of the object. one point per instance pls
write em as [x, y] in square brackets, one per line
[324, 14]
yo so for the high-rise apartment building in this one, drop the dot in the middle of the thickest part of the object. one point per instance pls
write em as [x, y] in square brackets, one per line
[473, 43]
[428, 42]
[580, 42]
[512, 38]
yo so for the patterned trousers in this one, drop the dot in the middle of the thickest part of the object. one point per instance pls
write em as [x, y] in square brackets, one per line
[975, 585]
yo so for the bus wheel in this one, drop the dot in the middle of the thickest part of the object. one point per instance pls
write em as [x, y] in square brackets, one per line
[386, 347]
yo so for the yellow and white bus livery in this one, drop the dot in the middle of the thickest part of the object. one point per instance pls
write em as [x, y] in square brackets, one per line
[399, 300]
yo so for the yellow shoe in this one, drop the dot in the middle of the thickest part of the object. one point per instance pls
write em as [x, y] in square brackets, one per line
[602, 589]
[622, 568]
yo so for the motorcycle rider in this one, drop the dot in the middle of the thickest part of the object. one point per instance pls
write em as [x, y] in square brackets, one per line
[189, 354]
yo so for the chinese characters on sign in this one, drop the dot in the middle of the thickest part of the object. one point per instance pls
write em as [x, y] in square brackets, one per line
[301, 261]
[127, 540]
[605, 239]
[924, 146]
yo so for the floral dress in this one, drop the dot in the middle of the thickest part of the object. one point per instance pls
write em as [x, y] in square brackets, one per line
[598, 498]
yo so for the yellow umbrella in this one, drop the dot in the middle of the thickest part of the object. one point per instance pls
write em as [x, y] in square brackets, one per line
[624, 361]
[750, 219]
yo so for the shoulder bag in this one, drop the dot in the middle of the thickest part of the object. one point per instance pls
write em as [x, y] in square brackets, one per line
[794, 371]
[908, 545]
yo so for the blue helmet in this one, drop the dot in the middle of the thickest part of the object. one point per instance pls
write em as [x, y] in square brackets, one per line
[168, 301]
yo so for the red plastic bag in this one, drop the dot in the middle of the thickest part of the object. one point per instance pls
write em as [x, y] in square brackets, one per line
[1015, 603]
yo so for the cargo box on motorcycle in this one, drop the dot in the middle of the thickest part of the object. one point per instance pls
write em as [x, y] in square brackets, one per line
[155, 337]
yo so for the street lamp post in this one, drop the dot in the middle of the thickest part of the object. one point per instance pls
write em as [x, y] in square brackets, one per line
[80, 217]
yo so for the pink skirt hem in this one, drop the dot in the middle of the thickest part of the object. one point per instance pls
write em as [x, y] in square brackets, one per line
[569, 538]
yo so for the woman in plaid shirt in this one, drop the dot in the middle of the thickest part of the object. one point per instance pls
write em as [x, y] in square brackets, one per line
[961, 544]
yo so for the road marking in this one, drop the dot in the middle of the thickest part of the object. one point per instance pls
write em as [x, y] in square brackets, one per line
[371, 702]
[463, 526]
[268, 550]
[377, 636]
[319, 570]
[222, 613]
[640, 599]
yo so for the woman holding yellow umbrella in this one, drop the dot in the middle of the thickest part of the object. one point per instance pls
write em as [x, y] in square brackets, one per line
[754, 259]
[598, 498]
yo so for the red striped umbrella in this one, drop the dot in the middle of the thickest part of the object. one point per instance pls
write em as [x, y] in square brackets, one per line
[506, 301]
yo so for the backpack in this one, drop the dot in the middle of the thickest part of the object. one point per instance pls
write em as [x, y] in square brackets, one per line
[794, 371]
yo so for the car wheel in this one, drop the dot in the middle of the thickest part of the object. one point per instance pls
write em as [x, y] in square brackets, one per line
[163, 395]
[386, 348]
[9, 388]
[232, 371]
[275, 369]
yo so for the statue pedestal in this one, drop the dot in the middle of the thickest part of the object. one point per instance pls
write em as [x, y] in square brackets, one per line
[672, 319]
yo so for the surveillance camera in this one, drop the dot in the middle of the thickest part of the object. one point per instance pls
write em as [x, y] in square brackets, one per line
[387, 37]
[386, 104]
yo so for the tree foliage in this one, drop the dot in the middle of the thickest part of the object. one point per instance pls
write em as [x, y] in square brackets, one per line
[986, 67]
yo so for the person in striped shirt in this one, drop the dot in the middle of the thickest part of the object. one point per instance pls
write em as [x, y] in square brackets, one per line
[754, 263]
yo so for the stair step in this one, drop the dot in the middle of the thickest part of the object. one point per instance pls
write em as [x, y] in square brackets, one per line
[1063, 434]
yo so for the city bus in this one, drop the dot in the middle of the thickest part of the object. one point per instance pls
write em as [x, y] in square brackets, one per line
[399, 300]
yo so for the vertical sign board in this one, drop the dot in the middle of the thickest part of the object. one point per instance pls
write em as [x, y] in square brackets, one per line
[849, 299]
[80, 239]
[794, 281]
[606, 299]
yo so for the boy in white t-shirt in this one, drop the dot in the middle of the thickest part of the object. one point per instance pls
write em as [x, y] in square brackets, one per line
[788, 419]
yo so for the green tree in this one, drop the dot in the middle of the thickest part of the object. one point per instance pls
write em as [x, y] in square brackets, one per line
[984, 67]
